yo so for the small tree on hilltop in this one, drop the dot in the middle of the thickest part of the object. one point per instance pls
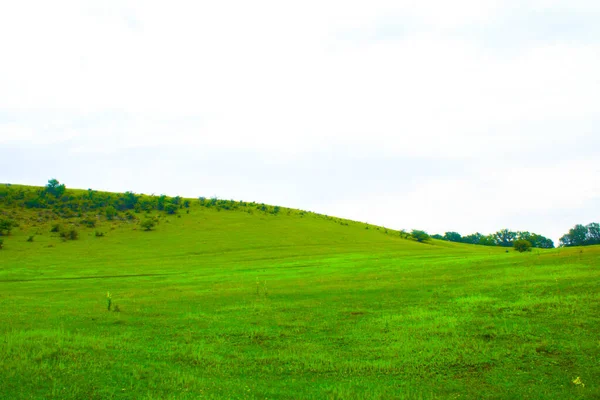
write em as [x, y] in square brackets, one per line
[55, 188]
[522, 245]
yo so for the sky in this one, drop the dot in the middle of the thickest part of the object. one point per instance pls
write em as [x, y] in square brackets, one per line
[468, 116]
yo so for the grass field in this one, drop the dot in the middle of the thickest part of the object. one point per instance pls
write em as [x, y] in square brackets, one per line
[252, 306]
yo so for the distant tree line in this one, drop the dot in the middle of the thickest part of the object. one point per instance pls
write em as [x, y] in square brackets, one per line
[581, 235]
[502, 238]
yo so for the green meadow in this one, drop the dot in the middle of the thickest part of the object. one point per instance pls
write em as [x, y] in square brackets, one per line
[218, 304]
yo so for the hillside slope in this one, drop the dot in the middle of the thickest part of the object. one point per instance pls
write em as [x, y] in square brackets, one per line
[247, 304]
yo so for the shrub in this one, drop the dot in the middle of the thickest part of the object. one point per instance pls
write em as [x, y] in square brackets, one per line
[99, 234]
[420, 236]
[6, 225]
[1, 244]
[69, 234]
[110, 213]
[522, 245]
[171, 208]
[55, 228]
[30, 239]
[89, 222]
[147, 224]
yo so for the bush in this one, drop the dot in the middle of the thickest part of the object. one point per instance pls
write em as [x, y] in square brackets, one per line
[110, 213]
[69, 234]
[55, 228]
[420, 236]
[30, 239]
[89, 222]
[171, 208]
[6, 225]
[1, 244]
[99, 234]
[522, 245]
[147, 224]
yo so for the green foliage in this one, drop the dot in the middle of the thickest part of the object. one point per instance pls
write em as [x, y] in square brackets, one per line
[160, 203]
[504, 238]
[110, 213]
[6, 226]
[99, 234]
[89, 222]
[522, 245]
[581, 235]
[1, 244]
[419, 236]
[452, 236]
[171, 208]
[148, 224]
[30, 239]
[55, 228]
[54, 188]
[69, 234]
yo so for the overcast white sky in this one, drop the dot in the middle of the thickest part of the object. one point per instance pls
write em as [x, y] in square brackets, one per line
[469, 115]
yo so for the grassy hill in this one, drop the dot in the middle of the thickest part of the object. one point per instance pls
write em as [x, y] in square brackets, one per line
[251, 303]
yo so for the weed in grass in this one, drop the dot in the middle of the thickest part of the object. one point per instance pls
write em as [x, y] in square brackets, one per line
[108, 300]
[577, 381]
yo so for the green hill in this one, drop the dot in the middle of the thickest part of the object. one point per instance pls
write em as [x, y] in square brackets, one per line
[244, 300]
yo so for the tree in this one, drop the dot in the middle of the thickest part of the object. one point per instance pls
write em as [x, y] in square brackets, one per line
[55, 188]
[581, 235]
[540, 241]
[129, 200]
[576, 237]
[420, 236]
[487, 240]
[593, 236]
[505, 237]
[474, 238]
[453, 237]
[522, 245]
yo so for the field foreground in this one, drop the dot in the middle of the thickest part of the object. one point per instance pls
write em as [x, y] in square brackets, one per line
[239, 305]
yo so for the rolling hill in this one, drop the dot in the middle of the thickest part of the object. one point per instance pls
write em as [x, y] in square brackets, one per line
[243, 300]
